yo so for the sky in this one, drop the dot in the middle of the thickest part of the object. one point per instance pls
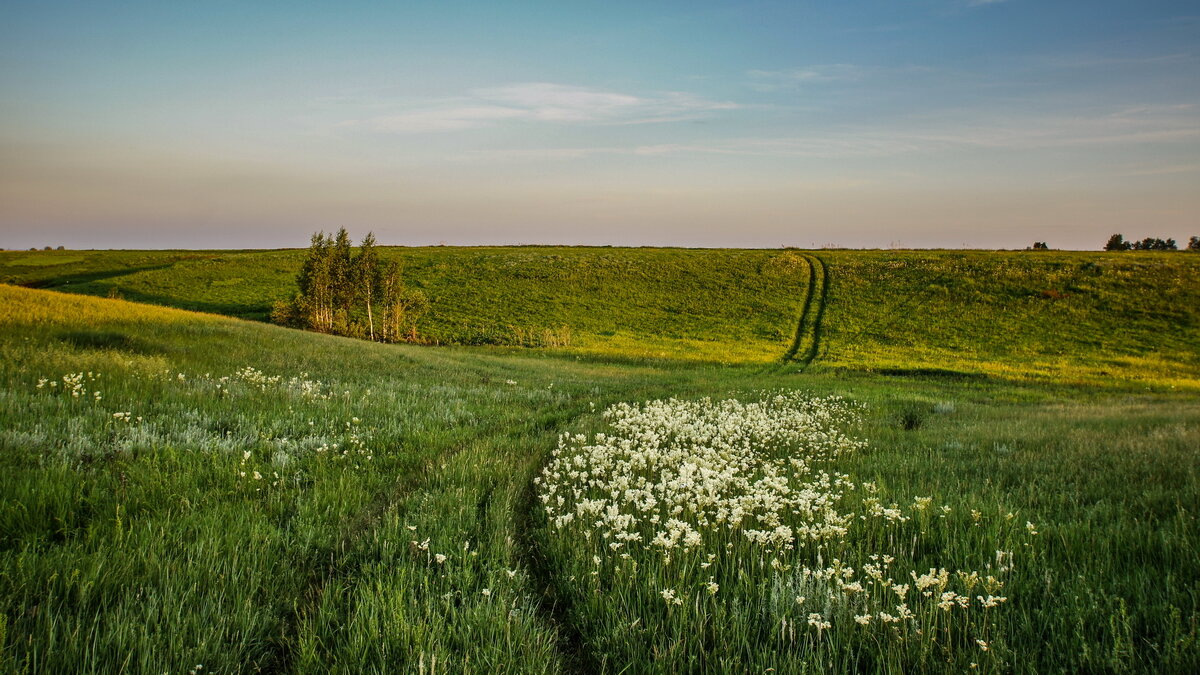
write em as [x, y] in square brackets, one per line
[862, 124]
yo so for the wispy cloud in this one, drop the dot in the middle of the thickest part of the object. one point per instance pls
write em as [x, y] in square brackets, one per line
[541, 102]
[773, 80]
[828, 74]
[1132, 125]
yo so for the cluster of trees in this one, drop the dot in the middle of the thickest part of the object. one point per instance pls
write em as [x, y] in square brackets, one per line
[1117, 243]
[350, 294]
[1039, 246]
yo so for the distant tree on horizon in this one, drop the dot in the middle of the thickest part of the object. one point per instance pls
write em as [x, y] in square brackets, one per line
[1117, 243]
[1155, 244]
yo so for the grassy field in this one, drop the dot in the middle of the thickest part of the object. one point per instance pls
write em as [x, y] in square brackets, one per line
[736, 306]
[1039, 316]
[187, 492]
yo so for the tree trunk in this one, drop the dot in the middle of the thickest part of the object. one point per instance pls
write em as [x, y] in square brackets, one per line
[370, 319]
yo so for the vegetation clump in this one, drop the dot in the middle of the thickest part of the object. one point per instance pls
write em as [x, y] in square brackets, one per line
[351, 295]
[1117, 242]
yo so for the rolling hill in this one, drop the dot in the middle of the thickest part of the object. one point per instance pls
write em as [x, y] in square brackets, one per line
[1072, 316]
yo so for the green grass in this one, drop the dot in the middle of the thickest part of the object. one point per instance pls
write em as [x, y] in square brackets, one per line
[1106, 585]
[1038, 316]
[140, 546]
[735, 306]
[1088, 317]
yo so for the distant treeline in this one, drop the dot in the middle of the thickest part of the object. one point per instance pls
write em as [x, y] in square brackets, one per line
[352, 295]
[1117, 243]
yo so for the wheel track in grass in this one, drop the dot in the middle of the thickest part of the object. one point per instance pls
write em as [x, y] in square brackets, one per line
[337, 563]
[342, 564]
[552, 600]
[818, 323]
[806, 345]
[552, 603]
[805, 309]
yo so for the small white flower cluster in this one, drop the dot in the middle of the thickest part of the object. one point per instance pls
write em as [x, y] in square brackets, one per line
[121, 428]
[312, 390]
[247, 473]
[74, 385]
[355, 447]
[870, 594]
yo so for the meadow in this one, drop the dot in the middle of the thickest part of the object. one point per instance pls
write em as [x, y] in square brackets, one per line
[1035, 315]
[738, 461]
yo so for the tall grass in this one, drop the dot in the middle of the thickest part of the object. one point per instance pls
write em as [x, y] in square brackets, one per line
[165, 506]
[1084, 512]
[136, 536]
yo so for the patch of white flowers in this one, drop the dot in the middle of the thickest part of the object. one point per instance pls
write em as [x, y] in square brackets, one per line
[673, 470]
[731, 486]
[301, 386]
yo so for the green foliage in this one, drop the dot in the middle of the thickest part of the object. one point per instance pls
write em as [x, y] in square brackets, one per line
[1117, 243]
[340, 292]
[1155, 244]
[147, 545]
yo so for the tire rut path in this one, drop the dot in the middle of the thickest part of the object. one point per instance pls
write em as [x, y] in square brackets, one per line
[337, 563]
[806, 345]
[552, 603]
[805, 311]
[818, 322]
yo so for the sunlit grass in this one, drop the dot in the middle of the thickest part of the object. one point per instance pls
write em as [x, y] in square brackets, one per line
[1090, 318]
[392, 525]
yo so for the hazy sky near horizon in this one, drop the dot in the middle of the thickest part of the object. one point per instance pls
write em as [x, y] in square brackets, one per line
[923, 123]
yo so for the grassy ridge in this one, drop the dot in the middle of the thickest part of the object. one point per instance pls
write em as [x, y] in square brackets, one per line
[149, 544]
[1048, 315]
[234, 283]
[735, 306]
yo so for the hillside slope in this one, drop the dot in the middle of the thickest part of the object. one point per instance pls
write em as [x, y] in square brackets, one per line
[1058, 316]
[1042, 315]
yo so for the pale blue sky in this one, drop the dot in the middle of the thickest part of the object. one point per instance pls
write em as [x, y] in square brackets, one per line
[864, 124]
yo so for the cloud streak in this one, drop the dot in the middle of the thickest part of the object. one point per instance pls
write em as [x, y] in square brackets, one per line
[1133, 125]
[541, 102]
[774, 80]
